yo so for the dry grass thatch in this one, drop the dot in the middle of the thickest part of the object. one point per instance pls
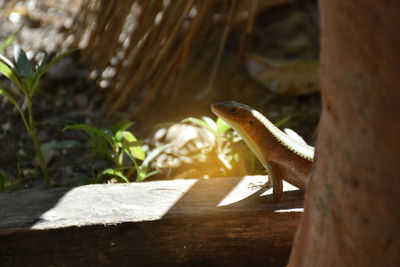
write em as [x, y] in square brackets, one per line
[141, 49]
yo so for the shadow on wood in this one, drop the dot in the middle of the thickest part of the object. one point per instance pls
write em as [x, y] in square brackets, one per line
[224, 222]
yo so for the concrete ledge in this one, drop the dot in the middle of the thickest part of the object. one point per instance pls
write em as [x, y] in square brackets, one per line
[227, 221]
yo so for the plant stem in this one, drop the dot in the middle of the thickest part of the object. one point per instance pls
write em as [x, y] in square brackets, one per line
[43, 163]
[38, 148]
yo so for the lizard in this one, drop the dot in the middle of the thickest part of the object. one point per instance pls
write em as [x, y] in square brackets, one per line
[284, 157]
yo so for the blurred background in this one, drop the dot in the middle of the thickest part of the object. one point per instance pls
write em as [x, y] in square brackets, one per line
[156, 63]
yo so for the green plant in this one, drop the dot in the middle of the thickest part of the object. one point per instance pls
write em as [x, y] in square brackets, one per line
[283, 121]
[224, 139]
[143, 169]
[114, 144]
[25, 76]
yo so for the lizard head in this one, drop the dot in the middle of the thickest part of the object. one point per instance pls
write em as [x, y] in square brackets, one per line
[235, 114]
[248, 123]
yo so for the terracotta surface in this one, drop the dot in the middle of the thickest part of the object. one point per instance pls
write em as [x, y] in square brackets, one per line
[352, 214]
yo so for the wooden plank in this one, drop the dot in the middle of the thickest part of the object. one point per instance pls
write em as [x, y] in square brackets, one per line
[224, 222]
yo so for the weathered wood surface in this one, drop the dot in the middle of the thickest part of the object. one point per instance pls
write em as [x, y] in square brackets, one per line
[224, 222]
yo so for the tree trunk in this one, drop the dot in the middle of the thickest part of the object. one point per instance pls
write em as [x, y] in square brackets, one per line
[352, 213]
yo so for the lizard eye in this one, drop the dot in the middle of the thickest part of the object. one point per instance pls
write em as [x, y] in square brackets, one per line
[232, 110]
[251, 122]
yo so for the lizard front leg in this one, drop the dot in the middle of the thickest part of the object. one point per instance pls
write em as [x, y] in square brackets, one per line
[275, 177]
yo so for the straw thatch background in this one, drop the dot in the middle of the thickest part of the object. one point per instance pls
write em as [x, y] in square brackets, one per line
[142, 50]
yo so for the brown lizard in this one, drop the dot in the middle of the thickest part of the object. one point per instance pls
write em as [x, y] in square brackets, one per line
[284, 157]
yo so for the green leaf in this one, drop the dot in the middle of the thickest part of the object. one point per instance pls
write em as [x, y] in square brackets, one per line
[14, 102]
[142, 174]
[23, 65]
[210, 122]
[224, 161]
[222, 126]
[98, 139]
[114, 172]
[12, 37]
[42, 69]
[120, 128]
[6, 71]
[121, 125]
[154, 153]
[90, 129]
[130, 142]
[9, 73]
[10, 98]
[7, 62]
[199, 122]
[283, 121]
